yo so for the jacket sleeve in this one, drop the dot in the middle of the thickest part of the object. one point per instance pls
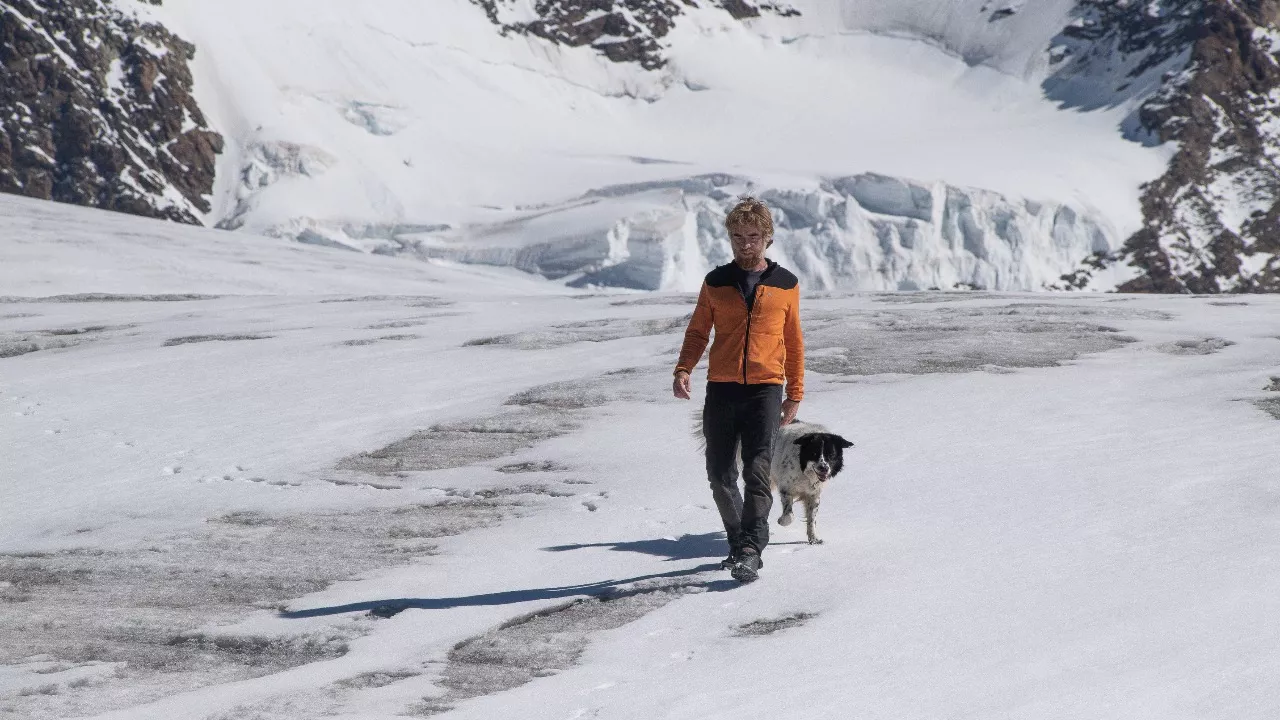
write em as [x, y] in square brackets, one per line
[697, 335]
[794, 340]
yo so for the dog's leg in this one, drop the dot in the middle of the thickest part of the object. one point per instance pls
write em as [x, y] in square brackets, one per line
[811, 519]
[786, 499]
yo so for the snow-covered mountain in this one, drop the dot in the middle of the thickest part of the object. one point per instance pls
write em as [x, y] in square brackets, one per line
[1076, 132]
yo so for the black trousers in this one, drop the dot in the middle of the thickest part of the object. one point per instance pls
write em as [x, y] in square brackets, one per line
[741, 416]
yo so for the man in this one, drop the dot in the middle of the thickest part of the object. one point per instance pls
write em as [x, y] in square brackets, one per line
[753, 304]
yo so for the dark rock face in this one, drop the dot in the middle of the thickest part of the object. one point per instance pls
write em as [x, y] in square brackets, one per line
[1210, 222]
[623, 30]
[96, 109]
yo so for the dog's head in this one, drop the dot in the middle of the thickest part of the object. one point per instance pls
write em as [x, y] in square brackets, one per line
[822, 454]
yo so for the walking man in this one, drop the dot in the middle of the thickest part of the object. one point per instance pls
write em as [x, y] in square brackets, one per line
[753, 305]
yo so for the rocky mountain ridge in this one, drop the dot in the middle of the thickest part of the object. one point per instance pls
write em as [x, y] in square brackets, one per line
[621, 30]
[96, 109]
[1210, 222]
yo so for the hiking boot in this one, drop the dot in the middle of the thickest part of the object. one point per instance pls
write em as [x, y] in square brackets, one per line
[729, 562]
[747, 567]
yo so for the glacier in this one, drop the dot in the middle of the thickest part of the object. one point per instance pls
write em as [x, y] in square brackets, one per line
[860, 232]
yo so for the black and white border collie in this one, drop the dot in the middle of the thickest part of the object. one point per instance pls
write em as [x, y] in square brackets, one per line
[805, 457]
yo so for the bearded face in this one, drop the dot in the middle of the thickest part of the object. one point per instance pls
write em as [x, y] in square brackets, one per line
[749, 244]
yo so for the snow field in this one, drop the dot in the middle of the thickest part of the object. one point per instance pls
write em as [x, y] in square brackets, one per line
[1074, 518]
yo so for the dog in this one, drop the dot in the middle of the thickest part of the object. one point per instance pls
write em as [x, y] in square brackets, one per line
[805, 457]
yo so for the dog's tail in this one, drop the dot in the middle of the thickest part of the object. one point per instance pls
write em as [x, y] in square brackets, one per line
[695, 429]
[699, 432]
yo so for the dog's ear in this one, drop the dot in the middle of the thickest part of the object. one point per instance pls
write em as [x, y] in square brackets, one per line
[803, 439]
[842, 442]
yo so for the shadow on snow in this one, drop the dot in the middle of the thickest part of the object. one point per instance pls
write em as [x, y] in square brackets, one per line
[686, 547]
[607, 589]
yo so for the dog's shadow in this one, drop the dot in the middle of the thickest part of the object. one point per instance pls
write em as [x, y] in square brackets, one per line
[685, 547]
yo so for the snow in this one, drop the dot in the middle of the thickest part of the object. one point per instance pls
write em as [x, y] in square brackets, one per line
[115, 77]
[1058, 506]
[433, 117]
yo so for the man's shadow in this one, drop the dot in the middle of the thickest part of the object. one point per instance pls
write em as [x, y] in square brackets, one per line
[687, 547]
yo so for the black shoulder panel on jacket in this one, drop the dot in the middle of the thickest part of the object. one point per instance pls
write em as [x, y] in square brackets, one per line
[780, 278]
[723, 276]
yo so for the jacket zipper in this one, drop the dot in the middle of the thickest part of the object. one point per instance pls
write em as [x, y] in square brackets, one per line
[746, 338]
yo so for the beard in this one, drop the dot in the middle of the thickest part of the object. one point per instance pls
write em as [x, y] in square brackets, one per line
[748, 260]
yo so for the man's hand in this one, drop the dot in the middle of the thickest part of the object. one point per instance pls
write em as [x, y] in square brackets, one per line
[680, 385]
[789, 410]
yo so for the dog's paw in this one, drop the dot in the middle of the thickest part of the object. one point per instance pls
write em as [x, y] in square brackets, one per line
[816, 541]
[785, 520]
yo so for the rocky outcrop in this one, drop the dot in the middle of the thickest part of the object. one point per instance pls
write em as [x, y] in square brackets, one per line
[622, 30]
[96, 109]
[1210, 222]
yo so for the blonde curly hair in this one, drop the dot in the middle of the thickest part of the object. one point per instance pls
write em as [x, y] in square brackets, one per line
[750, 212]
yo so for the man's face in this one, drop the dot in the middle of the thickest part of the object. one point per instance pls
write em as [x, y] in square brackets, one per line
[748, 244]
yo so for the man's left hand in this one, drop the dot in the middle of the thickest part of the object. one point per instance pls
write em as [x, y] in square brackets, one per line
[789, 410]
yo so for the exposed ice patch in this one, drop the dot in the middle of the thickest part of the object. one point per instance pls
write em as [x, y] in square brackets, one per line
[1198, 346]
[382, 120]
[107, 297]
[588, 392]
[586, 331]
[21, 343]
[462, 443]
[543, 643]
[358, 342]
[683, 299]
[1271, 406]
[949, 340]
[425, 301]
[267, 162]
[757, 628]
[189, 339]
[142, 612]
[532, 466]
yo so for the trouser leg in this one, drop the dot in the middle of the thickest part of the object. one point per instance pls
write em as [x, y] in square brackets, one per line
[718, 427]
[758, 420]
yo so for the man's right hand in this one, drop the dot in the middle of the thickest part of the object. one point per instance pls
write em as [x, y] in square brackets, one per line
[680, 385]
